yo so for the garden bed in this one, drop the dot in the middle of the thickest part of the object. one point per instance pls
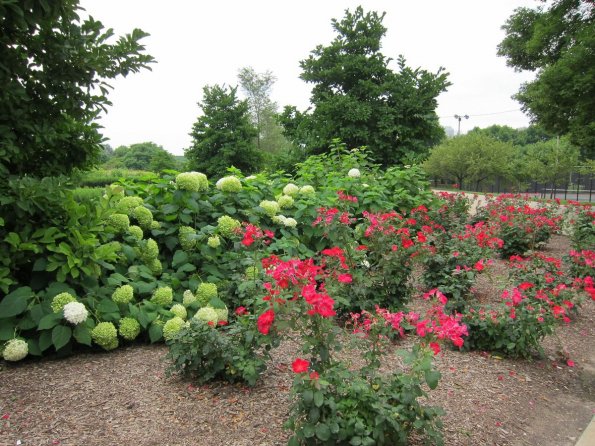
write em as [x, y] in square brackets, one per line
[123, 397]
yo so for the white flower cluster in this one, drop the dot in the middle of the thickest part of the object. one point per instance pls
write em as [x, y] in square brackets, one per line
[307, 190]
[15, 350]
[229, 184]
[291, 189]
[288, 222]
[354, 173]
[192, 181]
[270, 207]
[75, 313]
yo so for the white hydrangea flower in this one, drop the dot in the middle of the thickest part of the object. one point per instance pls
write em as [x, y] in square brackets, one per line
[15, 350]
[279, 219]
[229, 184]
[290, 222]
[188, 298]
[75, 313]
[291, 189]
[270, 207]
[354, 173]
[307, 189]
[285, 201]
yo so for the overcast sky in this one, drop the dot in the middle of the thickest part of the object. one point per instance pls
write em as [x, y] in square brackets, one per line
[198, 43]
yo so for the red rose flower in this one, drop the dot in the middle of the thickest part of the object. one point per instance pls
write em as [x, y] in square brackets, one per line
[300, 365]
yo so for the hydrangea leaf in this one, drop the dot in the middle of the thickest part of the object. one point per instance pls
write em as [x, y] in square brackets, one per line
[15, 303]
[61, 336]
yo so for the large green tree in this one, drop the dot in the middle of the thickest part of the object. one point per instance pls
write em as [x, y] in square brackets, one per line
[558, 43]
[359, 99]
[54, 70]
[470, 159]
[223, 135]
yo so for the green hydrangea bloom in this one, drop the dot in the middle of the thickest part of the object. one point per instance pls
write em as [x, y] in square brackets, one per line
[163, 296]
[179, 310]
[270, 207]
[227, 226]
[143, 216]
[205, 292]
[251, 272]
[127, 204]
[222, 314]
[172, 326]
[155, 225]
[229, 184]
[214, 241]
[285, 201]
[291, 189]
[123, 294]
[60, 300]
[156, 267]
[207, 314]
[136, 232]
[129, 328]
[15, 350]
[186, 235]
[105, 335]
[149, 251]
[188, 298]
[307, 190]
[120, 222]
[192, 181]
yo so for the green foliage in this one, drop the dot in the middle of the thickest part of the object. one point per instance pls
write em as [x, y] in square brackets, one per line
[105, 177]
[350, 407]
[356, 96]
[550, 161]
[223, 135]
[205, 353]
[517, 137]
[470, 158]
[55, 83]
[146, 156]
[558, 43]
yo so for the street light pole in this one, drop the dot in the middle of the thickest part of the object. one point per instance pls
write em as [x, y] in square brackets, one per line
[459, 117]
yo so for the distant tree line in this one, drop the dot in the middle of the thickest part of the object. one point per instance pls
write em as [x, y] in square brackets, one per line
[519, 156]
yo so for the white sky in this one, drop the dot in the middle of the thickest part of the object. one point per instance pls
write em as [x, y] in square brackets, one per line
[198, 43]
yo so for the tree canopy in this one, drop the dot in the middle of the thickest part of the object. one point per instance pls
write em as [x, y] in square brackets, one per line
[559, 44]
[142, 156]
[54, 72]
[517, 137]
[470, 158]
[223, 135]
[359, 99]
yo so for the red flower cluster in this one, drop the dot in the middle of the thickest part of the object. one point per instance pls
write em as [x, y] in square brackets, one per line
[344, 197]
[265, 320]
[253, 233]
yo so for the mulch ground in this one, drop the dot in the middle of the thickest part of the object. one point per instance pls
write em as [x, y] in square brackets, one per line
[123, 397]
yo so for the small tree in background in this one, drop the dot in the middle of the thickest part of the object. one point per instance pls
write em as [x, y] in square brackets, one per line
[551, 161]
[54, 85]
[470, 159]
[223, 136]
